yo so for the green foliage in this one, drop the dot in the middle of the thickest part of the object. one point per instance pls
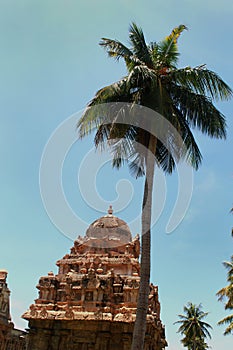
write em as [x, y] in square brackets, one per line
[226, 294]
[184, 96]
[193, 328]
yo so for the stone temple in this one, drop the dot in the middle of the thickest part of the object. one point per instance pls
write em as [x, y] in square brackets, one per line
[91, 302]
[10, 338]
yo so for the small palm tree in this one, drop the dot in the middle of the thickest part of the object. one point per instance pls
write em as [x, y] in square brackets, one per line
[196, 343]
[232, 228]
[226, 293]
[194, 329]
[183, 96]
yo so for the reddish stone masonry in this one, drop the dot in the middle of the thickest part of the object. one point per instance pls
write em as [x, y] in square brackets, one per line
[91, 302]
[10, 338]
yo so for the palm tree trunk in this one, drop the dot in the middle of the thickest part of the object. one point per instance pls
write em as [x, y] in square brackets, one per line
[142, 304]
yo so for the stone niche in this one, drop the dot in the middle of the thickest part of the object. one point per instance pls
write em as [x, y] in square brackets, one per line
[91, 302]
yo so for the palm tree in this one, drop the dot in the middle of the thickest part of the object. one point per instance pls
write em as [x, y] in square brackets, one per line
[195, 330]
[226, 293]
[184, 97]
[196, 343]
[231, 211]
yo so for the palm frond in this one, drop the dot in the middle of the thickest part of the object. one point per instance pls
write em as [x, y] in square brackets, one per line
[228, 320]
[229, 329]
[229, 266]
[97, 112]
[167, 55]
[139, 46]
[116, 92]
[199, 111]
[116, 49]
[141, 76]
[121, 151]
[124, 151]
[176, 32]
[202, 81]
[180, 140]
[137, 166]
[167, 50]
[164, 157]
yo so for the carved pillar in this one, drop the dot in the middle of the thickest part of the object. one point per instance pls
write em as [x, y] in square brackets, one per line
[39, 339]
[91, 346]
[2, 344]
[147, 342]
[126, 342]
[62, 339]
[102, 342]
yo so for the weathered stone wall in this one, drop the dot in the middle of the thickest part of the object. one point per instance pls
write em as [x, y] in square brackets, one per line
[9, 342]
[87, 335]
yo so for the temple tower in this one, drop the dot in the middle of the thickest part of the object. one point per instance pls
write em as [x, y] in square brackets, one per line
[91, 302]
[10, 338]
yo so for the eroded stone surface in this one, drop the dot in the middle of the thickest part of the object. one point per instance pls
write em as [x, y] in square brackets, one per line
[91, 302]
[10, 338]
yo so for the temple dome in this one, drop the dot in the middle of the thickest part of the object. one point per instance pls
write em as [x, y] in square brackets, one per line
[109, 227]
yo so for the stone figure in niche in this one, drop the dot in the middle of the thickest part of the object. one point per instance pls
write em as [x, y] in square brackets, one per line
[118, 284]
[89, 296]
[135, 284]
[69, 313]
[154, 305]
[118, 279]
[105, 298]
[92, 280]
[136, 246]
[43, 291]
[72, 251]
[68, 291]
[127, 250]
[103, 284]
[85, 282]
[83, 268]
[77, 296]
[100, 295]
[62, 296]
[118, 298]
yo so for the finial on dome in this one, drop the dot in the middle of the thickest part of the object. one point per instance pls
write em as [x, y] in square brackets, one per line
[110, 210]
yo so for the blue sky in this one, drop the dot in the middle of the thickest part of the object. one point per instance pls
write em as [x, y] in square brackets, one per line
[51, 66]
